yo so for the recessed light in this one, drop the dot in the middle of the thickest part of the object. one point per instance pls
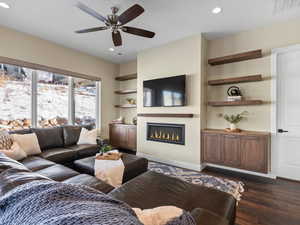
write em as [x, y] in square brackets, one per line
[111, 49]
[217, 10]
[4, 5]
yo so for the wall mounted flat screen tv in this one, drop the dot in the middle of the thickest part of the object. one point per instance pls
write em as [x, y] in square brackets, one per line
[165, 92]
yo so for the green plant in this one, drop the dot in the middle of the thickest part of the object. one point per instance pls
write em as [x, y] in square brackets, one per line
[106, 148]
[235, 119]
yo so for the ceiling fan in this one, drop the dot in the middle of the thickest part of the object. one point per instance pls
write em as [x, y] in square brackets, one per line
[116, 23]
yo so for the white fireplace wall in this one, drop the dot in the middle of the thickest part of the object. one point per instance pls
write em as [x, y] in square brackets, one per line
[176, 58]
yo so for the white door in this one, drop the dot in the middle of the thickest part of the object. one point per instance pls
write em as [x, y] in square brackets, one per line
[288, 113]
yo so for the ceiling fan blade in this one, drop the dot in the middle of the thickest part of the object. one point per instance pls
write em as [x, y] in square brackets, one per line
[138, 31]
[91, 12]
[117, 39]
[130, 14]
[91, 30]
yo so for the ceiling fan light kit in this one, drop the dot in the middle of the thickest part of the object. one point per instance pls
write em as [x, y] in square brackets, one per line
[116, 23]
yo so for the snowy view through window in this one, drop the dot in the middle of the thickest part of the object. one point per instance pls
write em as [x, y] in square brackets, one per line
[52, 99]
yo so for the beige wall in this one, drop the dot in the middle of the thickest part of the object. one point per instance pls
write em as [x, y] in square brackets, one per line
[125, 69]
[25, 47]
[176, 58]
[267, 38]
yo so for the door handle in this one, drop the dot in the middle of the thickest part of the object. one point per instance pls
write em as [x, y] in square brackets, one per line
[282, 131]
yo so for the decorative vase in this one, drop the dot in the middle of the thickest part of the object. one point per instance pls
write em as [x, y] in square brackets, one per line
[232, 126]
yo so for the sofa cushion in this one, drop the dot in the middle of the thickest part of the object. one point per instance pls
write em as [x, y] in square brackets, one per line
[49, 137]
[84, 151]
[90, 181]
[59, 155]
[35, 163]
[71, 135]
[58, 172]
[172, 191]
[23, 131]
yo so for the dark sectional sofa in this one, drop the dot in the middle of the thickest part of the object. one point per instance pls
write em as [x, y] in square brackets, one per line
[149, 190]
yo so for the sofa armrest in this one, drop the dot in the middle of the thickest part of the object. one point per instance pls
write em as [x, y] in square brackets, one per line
[205, 217]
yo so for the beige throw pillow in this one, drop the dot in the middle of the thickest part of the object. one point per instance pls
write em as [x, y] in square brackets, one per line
[87, 137]
[158, 216]
[15, 152]
[28, 142]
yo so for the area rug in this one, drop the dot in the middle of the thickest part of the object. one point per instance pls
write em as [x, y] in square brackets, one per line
[229, 186]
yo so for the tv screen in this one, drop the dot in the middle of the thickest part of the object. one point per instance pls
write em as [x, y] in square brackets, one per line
[165, 92]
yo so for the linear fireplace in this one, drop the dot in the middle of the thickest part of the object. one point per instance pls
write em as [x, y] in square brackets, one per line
[165, 132]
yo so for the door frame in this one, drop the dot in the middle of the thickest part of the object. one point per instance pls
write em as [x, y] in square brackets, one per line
[274, 102]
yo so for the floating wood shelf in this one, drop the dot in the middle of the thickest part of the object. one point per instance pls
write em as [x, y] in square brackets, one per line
[125, 106]
[236, 103]
[125, 92]
[235, 80]
[126, 77]
[166, 115]
[236, 58]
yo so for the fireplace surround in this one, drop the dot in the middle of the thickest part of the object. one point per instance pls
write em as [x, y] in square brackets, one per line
[166, 133]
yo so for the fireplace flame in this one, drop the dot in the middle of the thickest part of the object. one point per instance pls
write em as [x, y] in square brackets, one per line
[165, 136]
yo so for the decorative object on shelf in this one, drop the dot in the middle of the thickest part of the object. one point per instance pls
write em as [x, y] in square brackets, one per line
[131, 101]
[134, 120]
[234, 94]
[234, 120]
[119, 120]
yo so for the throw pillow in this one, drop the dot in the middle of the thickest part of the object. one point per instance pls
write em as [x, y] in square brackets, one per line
[87, 137]
[158, 216]
[5, 140]
[28, 142]
[15, 152]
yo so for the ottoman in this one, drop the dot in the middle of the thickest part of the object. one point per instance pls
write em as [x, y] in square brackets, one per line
[134, 166]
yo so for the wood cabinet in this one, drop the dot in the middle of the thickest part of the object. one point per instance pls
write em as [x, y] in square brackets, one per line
[123, 136]
[246, 150]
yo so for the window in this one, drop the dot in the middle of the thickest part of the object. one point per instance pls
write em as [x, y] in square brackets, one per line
[85, 92]
[52, 99]
[35, 98]
[15, 97]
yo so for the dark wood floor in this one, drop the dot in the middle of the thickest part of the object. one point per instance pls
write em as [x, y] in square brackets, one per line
[265, 201]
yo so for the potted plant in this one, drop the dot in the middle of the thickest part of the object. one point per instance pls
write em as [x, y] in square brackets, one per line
[235, 119]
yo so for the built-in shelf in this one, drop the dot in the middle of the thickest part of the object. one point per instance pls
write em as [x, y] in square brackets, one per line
[236, 80]
[125, 106]
[172, 115]
[235, 103]
[236, 58]
[127, 77]
[125, 92]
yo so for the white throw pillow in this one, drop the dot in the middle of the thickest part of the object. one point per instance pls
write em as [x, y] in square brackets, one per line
[15, 152]
[28, 142]
[87, 137]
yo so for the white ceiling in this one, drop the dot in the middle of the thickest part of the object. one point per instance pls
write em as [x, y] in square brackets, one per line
[56, 20]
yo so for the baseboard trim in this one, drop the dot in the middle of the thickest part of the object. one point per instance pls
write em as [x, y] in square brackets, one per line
[272, 176]
[190, 166]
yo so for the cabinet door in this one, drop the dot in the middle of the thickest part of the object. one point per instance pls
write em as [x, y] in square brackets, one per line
[231, 150]
[211, 148]
[114, 135]
[123, 133]
[254, 154]
[131, 138]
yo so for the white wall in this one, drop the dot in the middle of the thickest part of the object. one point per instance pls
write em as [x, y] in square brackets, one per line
[176, 58]
[17, 45]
